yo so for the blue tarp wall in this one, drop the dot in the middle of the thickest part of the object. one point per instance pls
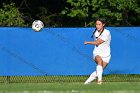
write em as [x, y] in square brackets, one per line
[60, 51]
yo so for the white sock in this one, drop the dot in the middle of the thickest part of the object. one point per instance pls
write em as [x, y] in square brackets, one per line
[99, 70]
[91, 78]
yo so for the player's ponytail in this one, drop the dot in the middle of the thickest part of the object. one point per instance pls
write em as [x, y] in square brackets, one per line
[93, 32]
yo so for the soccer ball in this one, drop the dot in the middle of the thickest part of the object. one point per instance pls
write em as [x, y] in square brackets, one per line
[37, 25]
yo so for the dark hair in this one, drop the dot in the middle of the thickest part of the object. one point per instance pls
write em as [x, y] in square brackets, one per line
[103, 22]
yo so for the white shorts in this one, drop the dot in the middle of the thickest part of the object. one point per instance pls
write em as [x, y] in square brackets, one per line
[105, 59]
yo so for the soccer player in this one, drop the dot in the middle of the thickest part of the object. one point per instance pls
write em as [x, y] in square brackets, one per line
[101, 52]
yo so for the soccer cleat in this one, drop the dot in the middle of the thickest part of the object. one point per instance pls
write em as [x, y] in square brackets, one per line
[87, 83]
[99, 82]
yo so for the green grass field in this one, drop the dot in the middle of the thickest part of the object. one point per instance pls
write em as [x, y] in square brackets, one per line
[74, 87]
[69, 84]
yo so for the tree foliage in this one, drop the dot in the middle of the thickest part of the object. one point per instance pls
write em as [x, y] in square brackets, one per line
[10, 16]
[69, 13]
[116, 12]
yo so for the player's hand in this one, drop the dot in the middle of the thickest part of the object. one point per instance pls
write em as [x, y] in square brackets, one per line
[85, 42]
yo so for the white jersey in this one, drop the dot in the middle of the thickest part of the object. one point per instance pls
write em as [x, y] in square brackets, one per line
[103, 49]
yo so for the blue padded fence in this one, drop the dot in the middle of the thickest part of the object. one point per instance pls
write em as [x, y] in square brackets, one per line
[60, 51]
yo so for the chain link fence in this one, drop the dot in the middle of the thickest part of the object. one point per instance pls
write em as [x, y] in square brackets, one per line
[62, 79]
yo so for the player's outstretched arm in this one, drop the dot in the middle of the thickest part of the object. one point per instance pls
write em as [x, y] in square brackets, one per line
[96, 42]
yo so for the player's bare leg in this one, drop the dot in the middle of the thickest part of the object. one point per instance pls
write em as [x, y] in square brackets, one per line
[104, 64]
[99, 68]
